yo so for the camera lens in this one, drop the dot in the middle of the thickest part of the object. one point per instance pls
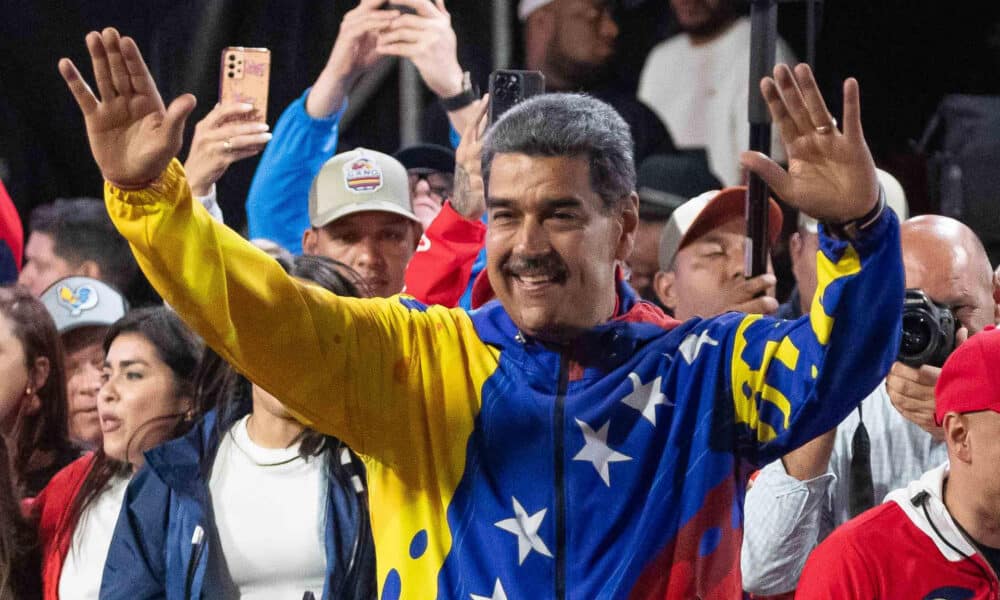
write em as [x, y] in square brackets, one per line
[917, 334]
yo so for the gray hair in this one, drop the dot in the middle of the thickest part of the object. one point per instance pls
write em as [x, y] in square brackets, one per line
[569, 125]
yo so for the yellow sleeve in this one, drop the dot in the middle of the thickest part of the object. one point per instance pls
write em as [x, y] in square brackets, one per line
[369, 371]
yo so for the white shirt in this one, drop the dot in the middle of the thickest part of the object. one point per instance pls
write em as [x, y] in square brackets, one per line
[785, 519]
[270, 519]
[84, 565]
[700, 92]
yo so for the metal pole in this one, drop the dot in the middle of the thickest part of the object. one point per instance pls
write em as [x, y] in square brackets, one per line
[763, 39]
[502, 34]
[366, 88]
[410, 108]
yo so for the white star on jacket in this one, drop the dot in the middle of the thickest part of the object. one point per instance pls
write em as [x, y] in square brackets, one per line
[692, 345]
[597, 451]
[526, 529]
[498, 593]
[645, 398]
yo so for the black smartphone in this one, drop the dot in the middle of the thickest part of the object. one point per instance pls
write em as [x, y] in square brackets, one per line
[406, 10]
[508, 87]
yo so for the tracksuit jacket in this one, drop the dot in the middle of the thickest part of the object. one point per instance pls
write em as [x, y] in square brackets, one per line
[501, 467]
[909, 547]
[156, 554]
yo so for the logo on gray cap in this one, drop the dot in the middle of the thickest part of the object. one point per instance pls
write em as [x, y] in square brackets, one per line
[77, 300]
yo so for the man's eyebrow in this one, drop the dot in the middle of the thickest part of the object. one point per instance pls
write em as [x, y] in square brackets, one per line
[492, 202]
[557, 203]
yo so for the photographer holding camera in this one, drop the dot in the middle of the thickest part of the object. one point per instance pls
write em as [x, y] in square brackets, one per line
[890, 440]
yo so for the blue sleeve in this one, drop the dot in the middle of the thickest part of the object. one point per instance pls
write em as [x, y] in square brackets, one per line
[792, 381]
[278, 201]
[135, 568]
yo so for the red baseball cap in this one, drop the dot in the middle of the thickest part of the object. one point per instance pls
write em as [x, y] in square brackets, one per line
[970, 378]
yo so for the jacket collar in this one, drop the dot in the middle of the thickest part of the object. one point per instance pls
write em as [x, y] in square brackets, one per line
[605, 346]
[181, 462]
[927, 492]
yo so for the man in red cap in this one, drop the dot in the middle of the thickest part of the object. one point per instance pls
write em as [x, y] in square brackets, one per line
[940, 536]
[702, 258]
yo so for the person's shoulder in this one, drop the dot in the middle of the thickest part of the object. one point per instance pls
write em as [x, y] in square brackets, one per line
[665, 50]
[72, 474]
[867, 532]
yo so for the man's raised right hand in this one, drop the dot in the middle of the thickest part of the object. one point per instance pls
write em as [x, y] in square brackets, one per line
[132, 136]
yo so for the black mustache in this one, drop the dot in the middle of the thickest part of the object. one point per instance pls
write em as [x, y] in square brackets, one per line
[550, 265]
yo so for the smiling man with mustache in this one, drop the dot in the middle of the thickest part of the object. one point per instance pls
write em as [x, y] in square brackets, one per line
[566, 440]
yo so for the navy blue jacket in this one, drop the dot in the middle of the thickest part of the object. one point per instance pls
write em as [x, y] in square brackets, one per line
[153, 554]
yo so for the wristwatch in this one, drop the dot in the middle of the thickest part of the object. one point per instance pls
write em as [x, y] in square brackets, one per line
[850, 230]
[467, 96]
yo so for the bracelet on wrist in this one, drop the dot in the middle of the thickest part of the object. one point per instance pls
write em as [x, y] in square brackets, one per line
[467, 96]
[849, 230]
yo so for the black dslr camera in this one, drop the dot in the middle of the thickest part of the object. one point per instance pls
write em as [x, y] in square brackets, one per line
[929, 331]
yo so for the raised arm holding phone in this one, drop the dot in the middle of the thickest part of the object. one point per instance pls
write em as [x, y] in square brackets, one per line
[566, 440]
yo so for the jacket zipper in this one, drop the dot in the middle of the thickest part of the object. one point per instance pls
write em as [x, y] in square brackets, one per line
[197, 543]
[560, 474]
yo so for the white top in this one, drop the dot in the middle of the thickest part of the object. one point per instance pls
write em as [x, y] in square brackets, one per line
[270, 519]
[700, 92]
[785, 519]
[84, 565]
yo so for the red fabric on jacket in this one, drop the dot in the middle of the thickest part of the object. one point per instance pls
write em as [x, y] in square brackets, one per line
[440, 269]
[50, 510]
[11, 230]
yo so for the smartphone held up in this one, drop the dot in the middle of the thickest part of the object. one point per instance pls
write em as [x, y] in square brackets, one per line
[244, 77]
[509, 87]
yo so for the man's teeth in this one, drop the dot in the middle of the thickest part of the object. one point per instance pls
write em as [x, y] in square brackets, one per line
[535, 278]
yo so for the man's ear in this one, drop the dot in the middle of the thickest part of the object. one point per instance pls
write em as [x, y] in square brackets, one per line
[956, 435]
[538, 32]
[418, 232]
[629, 220]
[663, 285]
[996, 296]
[89, 268]
[310, 238]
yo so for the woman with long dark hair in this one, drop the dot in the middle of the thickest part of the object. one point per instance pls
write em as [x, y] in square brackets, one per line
[32, 392]
[147, 397]
[18, 546]
[249, 504]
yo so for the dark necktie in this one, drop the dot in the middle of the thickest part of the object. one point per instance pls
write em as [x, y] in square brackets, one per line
[862, 491]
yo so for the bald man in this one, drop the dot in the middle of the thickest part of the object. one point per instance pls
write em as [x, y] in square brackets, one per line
[797, 501]
[962, 279]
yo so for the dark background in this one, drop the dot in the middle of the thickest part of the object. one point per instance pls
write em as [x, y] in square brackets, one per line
[906, 54]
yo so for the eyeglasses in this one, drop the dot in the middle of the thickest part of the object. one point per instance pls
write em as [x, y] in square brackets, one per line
[439, 184]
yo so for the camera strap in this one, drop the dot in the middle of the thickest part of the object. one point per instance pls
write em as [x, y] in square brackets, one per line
[862, 488]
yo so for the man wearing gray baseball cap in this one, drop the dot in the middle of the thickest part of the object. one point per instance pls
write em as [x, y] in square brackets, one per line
[701, 258]
[360, 214]
[83, 309]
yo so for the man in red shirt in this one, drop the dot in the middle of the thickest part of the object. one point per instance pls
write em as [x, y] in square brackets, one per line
[938, 538]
